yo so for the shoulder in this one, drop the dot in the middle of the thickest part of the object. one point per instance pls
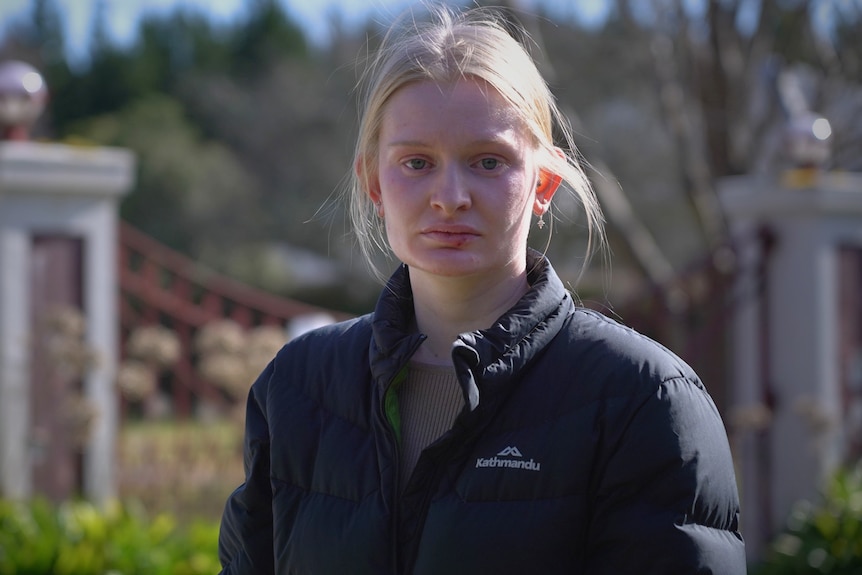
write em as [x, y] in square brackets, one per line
[633, 382]
[643, 390]
[617, 353]
[342, 336]
[624, 379]
[655, 410]
[316, 358]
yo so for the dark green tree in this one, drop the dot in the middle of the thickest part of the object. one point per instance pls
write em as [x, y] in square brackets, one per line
[191, 192]
[173, 47]
[266, 36]
[46, 33]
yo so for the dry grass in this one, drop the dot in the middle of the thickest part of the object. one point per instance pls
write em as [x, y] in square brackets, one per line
[185, 468]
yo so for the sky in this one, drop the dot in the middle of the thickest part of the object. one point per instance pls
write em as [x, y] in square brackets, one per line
[314, 15]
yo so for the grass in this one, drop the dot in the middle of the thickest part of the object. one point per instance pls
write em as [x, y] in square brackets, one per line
[185, 468]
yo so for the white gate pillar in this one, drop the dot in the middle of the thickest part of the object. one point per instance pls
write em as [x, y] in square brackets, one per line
[785, 342]
[59, 189]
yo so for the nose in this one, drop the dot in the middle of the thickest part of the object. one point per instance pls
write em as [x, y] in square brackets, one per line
[451, 191]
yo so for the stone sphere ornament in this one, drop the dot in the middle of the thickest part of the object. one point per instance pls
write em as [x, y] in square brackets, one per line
[23, 97]
[808, 139]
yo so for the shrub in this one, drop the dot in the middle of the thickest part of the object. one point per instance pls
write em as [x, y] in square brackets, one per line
[822, 538]
[78, 538]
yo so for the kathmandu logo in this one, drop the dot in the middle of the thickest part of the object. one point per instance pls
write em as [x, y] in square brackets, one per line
[510, 457]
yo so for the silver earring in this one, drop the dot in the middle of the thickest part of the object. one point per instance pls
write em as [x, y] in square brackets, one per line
[541, 223]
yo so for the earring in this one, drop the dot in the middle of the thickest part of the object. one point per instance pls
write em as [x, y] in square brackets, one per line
[541, 221]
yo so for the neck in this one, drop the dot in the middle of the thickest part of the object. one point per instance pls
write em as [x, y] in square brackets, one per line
[446, 307]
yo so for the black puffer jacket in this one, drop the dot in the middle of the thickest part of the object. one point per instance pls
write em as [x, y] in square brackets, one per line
[584, 448]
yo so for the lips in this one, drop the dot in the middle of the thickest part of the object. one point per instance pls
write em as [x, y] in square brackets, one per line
[450, 228]
[452, 235]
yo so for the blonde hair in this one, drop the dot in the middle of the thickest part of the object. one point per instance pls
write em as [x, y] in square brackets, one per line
[450, 45]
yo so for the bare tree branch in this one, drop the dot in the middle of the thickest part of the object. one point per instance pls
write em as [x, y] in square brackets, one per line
[677, 108]
[618, 210]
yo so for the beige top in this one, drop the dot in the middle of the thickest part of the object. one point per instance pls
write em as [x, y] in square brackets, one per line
[429, 401]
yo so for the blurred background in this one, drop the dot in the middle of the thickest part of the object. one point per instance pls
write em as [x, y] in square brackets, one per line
[171, 214]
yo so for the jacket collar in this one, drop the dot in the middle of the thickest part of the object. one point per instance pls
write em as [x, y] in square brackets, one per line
[484, 359]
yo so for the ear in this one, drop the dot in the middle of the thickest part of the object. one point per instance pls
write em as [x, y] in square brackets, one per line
[547, 186]
[372, 185]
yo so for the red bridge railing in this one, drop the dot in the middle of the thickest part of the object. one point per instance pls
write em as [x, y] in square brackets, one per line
[159, 286]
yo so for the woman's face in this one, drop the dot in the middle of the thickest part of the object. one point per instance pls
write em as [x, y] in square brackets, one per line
[457, 180]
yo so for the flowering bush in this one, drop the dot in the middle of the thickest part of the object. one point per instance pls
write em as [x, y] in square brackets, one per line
[154, 344]
[150, 349]
[69, 357]
[136, 380]
[220, 337]
[232, 358]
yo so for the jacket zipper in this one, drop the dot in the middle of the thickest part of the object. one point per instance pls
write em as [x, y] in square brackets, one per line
[393, 431]
[392, 415]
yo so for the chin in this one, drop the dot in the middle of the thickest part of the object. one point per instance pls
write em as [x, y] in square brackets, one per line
[446, 265]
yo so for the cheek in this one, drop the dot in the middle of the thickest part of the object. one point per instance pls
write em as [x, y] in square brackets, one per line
[395, 219]
[392, 186]
[518, 200]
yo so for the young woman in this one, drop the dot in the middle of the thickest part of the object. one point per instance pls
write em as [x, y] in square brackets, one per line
[477, 421]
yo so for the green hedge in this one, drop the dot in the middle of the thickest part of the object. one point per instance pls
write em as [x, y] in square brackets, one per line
[77, 538]
[822, 538]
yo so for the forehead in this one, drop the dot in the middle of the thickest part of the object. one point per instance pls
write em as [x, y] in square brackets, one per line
[466, 103]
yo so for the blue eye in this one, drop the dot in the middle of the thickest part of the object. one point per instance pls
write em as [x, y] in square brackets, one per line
[489, 163]
[416, 164]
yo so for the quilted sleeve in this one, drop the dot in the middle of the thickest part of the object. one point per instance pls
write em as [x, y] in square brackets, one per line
[246, 534]
[666, 501]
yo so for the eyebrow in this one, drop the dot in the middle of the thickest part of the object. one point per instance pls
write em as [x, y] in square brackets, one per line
[403, 143]
[480, 142]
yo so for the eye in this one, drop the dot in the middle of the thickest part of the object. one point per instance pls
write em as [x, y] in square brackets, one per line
[489, 164]
[416, 164]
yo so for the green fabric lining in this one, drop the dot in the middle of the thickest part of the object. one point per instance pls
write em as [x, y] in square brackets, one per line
[390, 403]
